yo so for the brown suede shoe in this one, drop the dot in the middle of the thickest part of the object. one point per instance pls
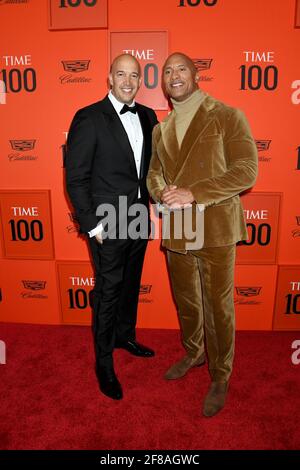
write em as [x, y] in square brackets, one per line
[181, 368]
[215, 399]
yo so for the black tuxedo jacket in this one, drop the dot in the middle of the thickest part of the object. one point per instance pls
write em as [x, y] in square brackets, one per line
[100, 163]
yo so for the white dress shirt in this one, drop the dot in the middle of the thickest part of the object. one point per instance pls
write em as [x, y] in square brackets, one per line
[133, 128]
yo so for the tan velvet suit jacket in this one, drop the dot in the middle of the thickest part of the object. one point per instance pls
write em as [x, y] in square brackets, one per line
[216, 161]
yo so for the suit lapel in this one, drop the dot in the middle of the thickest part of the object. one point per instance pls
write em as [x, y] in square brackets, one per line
[116, 128]
[170, 143]
[175, 157]
[198, 124]
[145, 124]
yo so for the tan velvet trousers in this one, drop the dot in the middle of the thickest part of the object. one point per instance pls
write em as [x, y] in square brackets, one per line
[203, 283]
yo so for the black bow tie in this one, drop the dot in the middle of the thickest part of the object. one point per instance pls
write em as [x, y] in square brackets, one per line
[126, 108]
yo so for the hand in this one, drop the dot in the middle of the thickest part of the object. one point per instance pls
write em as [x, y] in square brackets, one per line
[99, 238]
[177, 198]
[166, 189]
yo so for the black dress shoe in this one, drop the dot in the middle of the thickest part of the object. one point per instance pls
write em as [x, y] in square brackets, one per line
[135, 348]
[108, 383]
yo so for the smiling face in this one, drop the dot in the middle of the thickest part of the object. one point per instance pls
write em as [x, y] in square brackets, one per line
[180, 77]
[125, 78]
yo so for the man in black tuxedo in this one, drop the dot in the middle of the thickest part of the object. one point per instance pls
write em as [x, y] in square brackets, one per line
[108, 155]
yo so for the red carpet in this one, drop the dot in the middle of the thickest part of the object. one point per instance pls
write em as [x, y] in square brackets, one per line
[50, 398]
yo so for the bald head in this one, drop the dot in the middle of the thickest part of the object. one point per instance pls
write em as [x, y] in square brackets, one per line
[127, 58]
[180, 76]
[187, 60]
[125, 78]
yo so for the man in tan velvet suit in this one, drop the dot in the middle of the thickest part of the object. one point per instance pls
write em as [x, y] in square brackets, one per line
[203, 153]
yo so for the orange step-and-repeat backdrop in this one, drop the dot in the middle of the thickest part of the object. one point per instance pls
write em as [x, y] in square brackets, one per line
[54, 59]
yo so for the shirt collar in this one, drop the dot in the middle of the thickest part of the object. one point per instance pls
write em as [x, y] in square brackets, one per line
[116, 103]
